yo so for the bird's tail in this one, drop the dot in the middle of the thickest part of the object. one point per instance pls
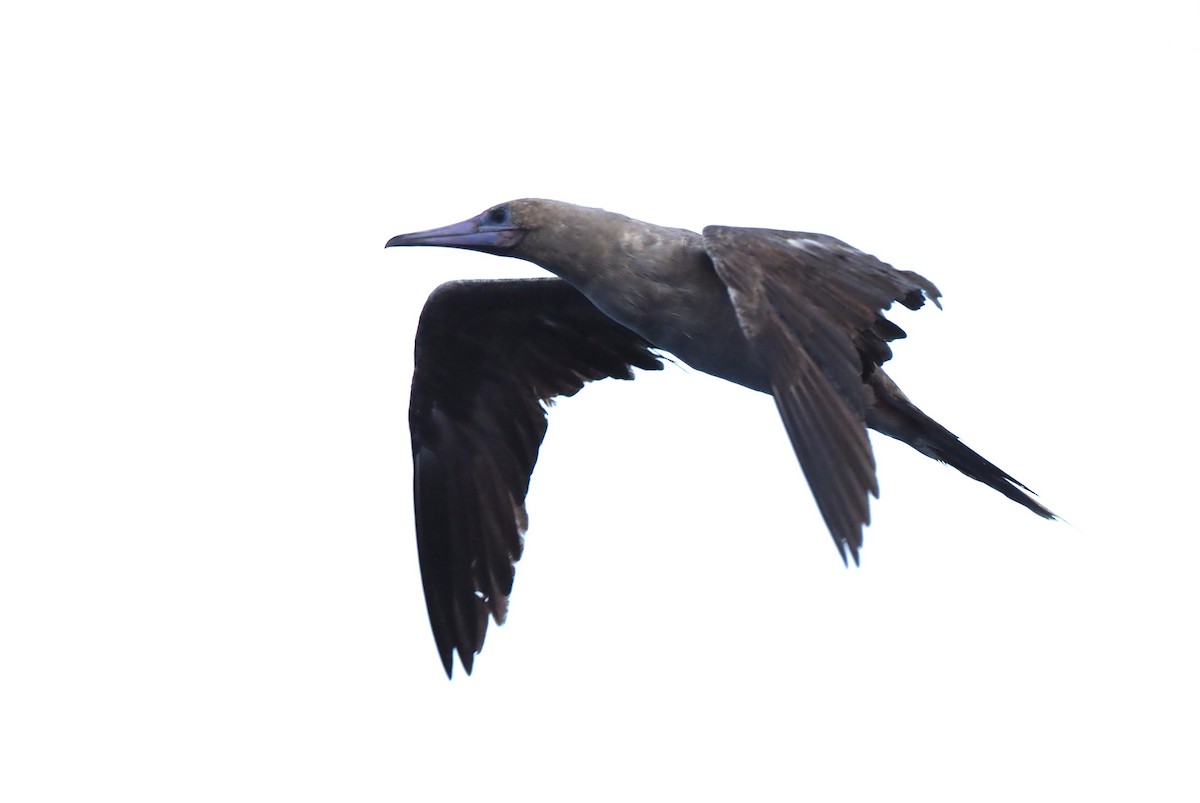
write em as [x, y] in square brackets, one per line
[893, 414]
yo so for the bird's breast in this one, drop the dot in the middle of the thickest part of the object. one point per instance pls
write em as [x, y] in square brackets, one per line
[673, 297]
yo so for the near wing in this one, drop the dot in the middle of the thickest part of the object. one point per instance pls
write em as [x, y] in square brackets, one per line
[811, 307]
[488, 355]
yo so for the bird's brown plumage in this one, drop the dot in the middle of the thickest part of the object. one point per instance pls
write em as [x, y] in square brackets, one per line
[793, 314]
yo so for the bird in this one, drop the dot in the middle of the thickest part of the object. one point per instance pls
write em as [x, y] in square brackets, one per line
[796, 315]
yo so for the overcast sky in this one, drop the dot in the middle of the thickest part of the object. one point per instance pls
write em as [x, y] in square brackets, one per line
[208, 576]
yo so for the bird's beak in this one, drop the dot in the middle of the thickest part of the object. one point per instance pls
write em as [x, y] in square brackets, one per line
[476, 234]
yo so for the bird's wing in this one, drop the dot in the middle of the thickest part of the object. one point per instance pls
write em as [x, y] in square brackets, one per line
[488, 355]
[811, 307]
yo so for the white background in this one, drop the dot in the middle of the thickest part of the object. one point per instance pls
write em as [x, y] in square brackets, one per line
[208, 581]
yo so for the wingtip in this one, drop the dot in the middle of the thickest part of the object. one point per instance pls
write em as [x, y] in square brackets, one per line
[843, 547]
[467, 660]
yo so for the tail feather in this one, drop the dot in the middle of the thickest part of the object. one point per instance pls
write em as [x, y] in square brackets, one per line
[893, 414]
[945, 446]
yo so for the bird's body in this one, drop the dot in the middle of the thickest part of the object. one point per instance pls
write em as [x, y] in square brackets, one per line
[659, 282]
[792, 314]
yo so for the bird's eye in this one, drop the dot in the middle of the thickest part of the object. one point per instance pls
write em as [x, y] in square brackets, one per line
[498, 216]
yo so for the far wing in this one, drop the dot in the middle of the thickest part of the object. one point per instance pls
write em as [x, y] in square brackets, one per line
[488, 355]
[811, 307]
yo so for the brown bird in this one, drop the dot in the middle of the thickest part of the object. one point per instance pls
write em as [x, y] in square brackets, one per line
[792, 314]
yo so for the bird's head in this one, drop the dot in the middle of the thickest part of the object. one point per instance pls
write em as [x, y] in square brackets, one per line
[552, 234]
[498, 230]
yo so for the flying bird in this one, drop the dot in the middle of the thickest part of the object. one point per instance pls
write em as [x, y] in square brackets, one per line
[792, 314]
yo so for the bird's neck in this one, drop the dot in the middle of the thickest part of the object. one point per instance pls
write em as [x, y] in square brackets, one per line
[603, 252]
